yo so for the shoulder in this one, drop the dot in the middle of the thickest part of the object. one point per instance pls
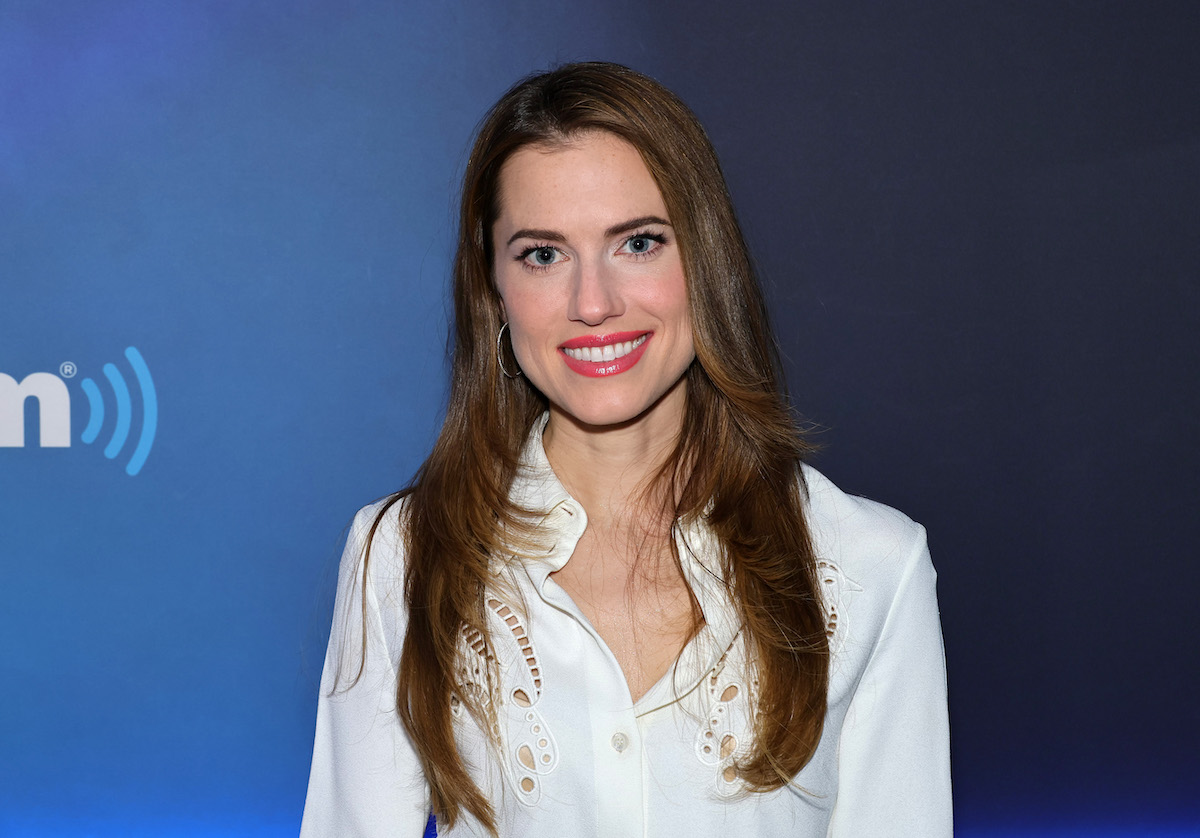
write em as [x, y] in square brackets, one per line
[375, 546]
[879, 589]
[873, 565]
[380, 524]
[866, 539]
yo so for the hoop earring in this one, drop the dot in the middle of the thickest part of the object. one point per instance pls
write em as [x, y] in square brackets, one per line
[500, 354]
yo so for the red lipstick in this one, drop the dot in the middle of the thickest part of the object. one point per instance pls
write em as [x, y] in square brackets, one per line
[614, 353]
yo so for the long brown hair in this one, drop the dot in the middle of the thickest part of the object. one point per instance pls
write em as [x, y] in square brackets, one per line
[736, 464]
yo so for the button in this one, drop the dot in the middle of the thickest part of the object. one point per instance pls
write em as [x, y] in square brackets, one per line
[620, 742]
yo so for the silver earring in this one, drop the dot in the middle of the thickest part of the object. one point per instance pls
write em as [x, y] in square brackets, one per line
[500, 354]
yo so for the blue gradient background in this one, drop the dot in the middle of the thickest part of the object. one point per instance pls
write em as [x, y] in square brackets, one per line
[978, 227]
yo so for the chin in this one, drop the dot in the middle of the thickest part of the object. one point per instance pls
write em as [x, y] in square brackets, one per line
[600, 418]
[622, 409]
[614, 414]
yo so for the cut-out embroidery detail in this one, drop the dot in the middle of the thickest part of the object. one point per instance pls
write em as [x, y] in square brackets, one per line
[471, 672]
[529, 748]
[835, 587]
[725, 727]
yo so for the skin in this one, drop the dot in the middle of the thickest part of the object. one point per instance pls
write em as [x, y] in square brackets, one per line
[585, 249]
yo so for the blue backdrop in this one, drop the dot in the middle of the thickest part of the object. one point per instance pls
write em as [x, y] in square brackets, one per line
[978, 228]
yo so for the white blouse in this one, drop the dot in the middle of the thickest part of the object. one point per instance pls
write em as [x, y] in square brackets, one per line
[580, 758]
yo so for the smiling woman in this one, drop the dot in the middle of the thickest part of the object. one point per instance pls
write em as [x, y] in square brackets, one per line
[614, 600]
[591, 282]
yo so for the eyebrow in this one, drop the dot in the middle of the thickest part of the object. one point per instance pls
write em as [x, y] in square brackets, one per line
[615, 230]
[547, 235]
[633, 224]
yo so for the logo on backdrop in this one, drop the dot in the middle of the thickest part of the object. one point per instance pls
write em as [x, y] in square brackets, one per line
[54, 409]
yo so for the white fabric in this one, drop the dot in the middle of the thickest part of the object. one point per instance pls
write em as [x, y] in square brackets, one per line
[579, 758]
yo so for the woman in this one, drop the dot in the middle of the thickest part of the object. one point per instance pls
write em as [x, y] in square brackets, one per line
[613, 601]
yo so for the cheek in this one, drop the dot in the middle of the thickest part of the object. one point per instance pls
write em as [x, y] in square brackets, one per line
[501, 289]
[525, 313]
[519, 309]
[672, 302]
[516, 307]
[683, 319]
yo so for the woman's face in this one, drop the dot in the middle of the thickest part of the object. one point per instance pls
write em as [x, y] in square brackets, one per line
[591, 279]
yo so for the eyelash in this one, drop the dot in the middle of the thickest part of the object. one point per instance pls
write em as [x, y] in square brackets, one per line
[523, 256]
[658, 238]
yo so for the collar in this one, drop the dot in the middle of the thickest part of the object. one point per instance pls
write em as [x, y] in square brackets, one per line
[559, 518]
[561, 521]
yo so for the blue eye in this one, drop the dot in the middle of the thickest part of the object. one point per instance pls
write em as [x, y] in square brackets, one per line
[540, 257]
[643, 244]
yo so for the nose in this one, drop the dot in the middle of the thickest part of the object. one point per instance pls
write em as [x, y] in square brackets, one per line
[595, 294]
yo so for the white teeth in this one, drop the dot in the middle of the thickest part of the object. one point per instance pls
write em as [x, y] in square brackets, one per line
[607, 352]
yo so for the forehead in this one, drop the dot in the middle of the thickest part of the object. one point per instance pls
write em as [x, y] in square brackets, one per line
[594, 173]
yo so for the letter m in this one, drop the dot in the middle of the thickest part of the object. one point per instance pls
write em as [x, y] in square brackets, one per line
[54, 410]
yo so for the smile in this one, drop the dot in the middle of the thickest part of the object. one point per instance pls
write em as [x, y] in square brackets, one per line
[600, 355]
[605, 352]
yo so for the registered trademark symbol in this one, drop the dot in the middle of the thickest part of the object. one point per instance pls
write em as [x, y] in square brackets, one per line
[67, 370]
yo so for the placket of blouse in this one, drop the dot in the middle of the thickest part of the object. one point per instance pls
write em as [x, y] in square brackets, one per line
[589, 685]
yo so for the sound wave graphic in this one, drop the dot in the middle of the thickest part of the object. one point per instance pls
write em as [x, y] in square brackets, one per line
[124, 411]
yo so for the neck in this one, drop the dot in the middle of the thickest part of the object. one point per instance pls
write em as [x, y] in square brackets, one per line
[608, 468]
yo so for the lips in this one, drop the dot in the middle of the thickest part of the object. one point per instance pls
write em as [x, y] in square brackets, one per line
[600, 355]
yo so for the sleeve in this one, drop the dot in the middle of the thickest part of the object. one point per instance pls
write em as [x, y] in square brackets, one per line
[894, 758]
[366, 779]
